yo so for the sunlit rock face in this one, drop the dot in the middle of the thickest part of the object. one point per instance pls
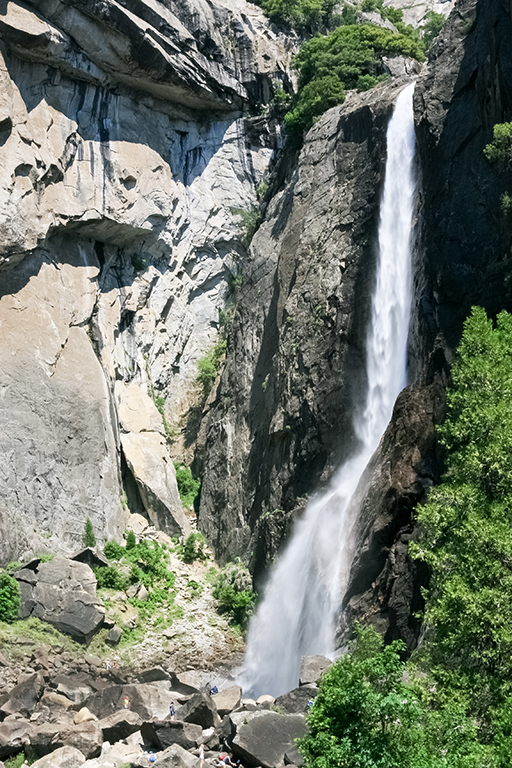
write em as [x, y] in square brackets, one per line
[125, 160]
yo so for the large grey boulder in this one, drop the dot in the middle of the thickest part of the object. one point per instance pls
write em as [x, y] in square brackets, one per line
[64, 595]
[14, 736]
[150, 702]
[120, 725]
[265, 740]
[161, 734]
[200, 709]
[22, 699]
[176, 757]
[64, 757]
[312, 668]
[227, 700]
[297, 701]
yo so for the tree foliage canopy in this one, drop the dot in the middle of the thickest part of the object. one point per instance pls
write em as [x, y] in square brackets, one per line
[366, 716]
[467, 522]
[350, 57]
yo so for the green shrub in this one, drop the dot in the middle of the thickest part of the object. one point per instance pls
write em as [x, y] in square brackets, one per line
[89, 537]
[16, 761]
[10, 598]
[188, 487]
[130, 540]
[232, 587]
[432, 27]
[209, 366]
[108, 577]
[113, 551]
[365, 716]
[303, 15]
[193, 549]
[500, 149]
[350, 57]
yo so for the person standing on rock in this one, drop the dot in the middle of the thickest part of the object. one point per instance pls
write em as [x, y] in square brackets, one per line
[171, 710]
[126, 702]
[201, 755]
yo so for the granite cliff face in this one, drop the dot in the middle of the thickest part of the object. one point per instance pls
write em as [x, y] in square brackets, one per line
[124, 137]
[131, 139]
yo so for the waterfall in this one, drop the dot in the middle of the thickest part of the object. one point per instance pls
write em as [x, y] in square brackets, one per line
[297, 615]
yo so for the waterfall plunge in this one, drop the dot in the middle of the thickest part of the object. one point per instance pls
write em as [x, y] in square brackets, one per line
[298, 613]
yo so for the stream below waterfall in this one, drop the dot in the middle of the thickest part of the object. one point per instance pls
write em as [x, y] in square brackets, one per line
[300, 607]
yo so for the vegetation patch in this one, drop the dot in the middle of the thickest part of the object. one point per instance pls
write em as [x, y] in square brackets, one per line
[10, 598]
[209, 366]
[350, 57]
[232, 587]
[188, 486]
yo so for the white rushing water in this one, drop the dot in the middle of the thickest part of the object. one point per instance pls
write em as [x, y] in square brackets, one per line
[297, 615]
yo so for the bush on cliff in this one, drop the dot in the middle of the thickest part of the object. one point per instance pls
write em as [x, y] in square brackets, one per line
[302, 15]
[10, 598]
[350, 57]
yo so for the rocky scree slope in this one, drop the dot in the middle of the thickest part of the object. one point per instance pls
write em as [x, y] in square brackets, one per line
[125, 154]
[281, 417]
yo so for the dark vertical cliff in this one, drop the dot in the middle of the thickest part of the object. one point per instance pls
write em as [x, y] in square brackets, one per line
[280, 419]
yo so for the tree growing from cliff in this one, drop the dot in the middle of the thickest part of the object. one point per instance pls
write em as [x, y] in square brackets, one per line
[89, 537]
[10, 598]
[350, 57]
[466, 525]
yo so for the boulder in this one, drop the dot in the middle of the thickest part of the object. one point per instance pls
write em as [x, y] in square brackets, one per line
[65, 757]
[153, 675]
[92, 557]
[64, 595]
[114, 635]
[86, 737]
[120, 725]
[294, 757]
[77, 687]
[296, 702]
[163, 734]
[200, 709]
[227, 700]
[184, 683]
[149, 701]
[176, 757]
[264, 741]
[56, 701]
[84, 716]
[14, 736]
[23, 697]
[312, 668]
[265, 701]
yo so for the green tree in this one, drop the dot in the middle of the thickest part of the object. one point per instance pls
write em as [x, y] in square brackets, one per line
[365, 716]
[130, 540]
[232, 587]
[303, 15]
[89, 537]
[188, 486]
[209, 366]
[434, 23]
[349, 57]
[466, 523]
[10, 598]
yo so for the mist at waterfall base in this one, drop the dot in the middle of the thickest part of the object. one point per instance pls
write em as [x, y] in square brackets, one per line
[297, 615]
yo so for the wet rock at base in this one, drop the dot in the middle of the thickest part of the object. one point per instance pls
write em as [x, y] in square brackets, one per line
[265, 740]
